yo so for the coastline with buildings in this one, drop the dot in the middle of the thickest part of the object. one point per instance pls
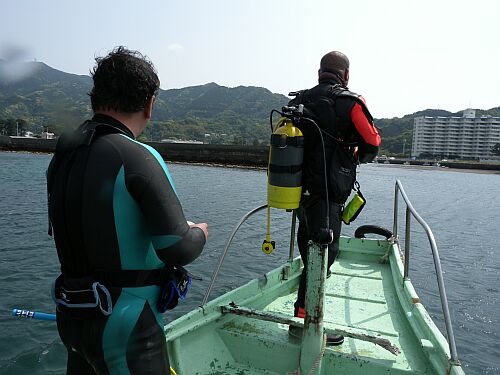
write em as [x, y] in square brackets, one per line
[458, 143]
[240, 155]
[467, 137]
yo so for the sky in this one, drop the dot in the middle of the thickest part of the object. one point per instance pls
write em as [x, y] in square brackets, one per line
[405, 55]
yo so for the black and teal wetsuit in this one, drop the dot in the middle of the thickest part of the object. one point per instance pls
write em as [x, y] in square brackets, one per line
[114, 207]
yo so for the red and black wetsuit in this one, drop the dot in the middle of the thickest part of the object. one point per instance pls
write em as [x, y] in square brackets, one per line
[349, 138]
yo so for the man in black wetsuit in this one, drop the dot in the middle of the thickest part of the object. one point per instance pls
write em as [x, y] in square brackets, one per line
[118, 225]
[350, 138]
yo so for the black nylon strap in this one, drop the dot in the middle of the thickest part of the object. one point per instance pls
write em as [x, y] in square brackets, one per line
[134, 278]
[290, 169]
[337, 90]
[281, 141]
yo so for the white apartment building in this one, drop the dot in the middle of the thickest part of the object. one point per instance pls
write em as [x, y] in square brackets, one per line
[466, 137]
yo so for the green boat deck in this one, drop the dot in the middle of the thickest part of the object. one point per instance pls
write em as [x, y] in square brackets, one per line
[362, 296]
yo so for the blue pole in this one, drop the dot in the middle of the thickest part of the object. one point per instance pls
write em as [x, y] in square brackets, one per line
[33, 314]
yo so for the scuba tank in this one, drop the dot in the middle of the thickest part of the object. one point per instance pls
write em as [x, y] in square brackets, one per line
[284, 182]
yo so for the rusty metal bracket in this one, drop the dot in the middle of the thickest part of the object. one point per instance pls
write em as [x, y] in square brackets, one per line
[297, 322]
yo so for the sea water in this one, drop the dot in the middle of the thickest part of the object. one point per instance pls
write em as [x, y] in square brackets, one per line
[463, 210]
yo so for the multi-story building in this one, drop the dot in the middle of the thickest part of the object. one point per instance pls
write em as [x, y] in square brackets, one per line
[466, 137]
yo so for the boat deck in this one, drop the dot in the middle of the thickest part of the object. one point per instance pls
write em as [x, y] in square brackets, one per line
[361, 297]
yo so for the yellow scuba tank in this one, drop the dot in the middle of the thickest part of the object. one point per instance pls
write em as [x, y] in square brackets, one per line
[284, 172]
[285, 166]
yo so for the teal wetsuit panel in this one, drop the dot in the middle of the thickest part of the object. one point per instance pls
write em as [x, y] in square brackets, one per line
[136, 252]
[160, 160]
[131, 219]
[134, 238]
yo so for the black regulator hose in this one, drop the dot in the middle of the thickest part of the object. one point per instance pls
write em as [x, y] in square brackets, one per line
[271, 118]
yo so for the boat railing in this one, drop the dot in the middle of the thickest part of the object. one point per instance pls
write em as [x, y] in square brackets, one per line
[230, 240]
[410, 211]
[226, 248]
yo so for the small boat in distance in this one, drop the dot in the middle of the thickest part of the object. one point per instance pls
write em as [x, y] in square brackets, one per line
[369, 299]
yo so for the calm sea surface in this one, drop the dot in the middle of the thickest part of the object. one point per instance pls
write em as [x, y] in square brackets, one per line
[463, 209]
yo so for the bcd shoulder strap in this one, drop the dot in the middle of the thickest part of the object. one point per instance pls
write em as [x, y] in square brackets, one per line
[339, 91]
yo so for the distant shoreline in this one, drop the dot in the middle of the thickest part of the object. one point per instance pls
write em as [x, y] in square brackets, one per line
[237, 156]
[264, 167]
[441, 168]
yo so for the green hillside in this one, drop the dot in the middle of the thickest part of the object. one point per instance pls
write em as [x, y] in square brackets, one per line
[48, 98]
[54, 99]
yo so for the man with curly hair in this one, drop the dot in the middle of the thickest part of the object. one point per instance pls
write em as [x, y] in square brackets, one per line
[118, 227]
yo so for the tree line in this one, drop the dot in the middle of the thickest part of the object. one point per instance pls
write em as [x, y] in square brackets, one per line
[226, 129]
[13, 127]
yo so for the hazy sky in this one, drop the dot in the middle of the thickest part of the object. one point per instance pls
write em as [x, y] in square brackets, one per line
[405, 55]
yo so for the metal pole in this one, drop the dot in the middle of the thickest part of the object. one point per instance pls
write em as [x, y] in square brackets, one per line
[292, 235]
[444, 299]
[439, 276]
[407, 244]
[226, 248]
[313, 335]
[395, 222]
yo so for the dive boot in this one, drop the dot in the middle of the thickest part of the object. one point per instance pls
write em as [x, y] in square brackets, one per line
[331, 339]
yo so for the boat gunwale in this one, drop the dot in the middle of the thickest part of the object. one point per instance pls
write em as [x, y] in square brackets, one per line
[211, 311]
[422, 327]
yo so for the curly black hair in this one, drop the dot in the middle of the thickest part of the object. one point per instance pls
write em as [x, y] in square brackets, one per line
[124, 81]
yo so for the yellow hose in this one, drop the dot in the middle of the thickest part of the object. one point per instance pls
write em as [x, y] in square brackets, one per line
[172, 371]
[268, 233]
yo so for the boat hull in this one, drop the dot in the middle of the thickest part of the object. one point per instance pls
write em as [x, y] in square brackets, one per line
[245, 331]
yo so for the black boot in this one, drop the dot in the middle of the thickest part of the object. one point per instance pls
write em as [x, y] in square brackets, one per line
[331, 339]
[295, 332]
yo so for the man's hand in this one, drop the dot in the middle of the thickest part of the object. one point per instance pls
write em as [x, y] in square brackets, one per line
[202, 226]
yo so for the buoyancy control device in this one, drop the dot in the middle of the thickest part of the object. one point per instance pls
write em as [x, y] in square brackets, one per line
[284, 188]
[284, 173]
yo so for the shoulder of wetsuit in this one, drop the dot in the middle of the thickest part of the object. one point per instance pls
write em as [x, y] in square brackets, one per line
[340, 91]
[84, 135]
[69, 142]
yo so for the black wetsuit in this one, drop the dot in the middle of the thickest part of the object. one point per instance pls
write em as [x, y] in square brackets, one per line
[346, 123]
[123, 215]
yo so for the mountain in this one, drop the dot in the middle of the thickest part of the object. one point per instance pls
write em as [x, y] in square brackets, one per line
[39, 96]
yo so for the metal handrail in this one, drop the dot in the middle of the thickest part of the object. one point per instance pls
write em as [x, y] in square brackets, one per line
[410, 211]
[226, 248]
[230, 240]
